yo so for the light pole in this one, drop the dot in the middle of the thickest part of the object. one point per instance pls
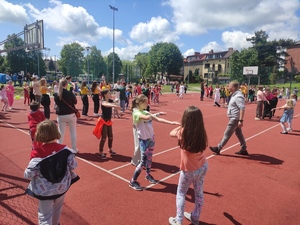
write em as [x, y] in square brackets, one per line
[113, 9]
[88, 62]
[189, 70]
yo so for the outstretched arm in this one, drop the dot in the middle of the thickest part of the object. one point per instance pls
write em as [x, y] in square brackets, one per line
[164, 120]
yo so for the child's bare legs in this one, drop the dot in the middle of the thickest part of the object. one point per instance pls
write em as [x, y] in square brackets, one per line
[284, 130]
[5, 105]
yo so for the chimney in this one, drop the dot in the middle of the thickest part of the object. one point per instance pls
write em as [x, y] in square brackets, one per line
[230, 49]
[211, 51]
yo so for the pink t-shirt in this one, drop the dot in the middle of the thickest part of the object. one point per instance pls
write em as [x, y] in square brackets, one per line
[190, 161]
[10, 89]
[260, 96]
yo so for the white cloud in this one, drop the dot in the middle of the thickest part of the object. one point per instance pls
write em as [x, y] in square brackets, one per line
[67, 19]
[196, 17]
[129, 52]
[211, 46]
[188, 52]
[158, 29]
[12, 13]
[236, 39]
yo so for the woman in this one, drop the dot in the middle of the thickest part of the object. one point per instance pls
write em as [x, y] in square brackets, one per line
[65, 109]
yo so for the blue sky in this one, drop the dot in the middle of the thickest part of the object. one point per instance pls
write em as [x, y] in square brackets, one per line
[193, 25]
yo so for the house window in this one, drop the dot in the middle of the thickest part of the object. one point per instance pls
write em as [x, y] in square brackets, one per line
[207, 65]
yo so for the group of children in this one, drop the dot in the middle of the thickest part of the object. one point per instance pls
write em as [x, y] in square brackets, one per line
[52, 164]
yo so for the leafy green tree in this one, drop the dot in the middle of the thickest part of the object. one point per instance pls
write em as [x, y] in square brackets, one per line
[247, 57]
[71, 59]
[15, 58]
[51, 65]
[269, 53]
[94, 63]
[118, 66]
[142, 61]
[165, 57]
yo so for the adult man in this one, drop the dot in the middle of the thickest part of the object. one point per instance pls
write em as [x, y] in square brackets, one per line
[235, 113]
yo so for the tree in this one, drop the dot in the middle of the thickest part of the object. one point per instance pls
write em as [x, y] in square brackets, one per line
[51, 65]
[118, 66]
[247, 57]
[165, 57]
[142, 61]
[269, 53]
[94, 60]
[71, 59]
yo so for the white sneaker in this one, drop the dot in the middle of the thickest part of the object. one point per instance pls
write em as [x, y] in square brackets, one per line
[189, 217]
[289, 129]
[256, 118]
[173, 221]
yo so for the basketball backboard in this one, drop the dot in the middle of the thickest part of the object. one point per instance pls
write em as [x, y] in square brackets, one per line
[34, 36]
[250, 70]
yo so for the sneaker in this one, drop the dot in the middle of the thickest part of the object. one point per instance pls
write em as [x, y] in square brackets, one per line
[173, 221]
[102, 156]
[284, 132]
[242, 152]
[215, 150]
[189, 217]
[111, 152]
[256, 118]
[135, 185]
[289, 129]
[150, 179]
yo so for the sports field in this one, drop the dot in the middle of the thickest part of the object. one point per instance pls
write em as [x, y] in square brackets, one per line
[262, 188]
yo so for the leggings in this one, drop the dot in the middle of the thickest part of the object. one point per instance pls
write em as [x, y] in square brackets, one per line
[187, 178]
[106, 131]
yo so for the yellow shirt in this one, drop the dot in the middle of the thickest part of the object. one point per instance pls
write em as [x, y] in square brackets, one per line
[96, 91]
[106, 87]
[84, 91]
[43, 90]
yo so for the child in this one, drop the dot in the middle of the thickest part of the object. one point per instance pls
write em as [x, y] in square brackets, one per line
[3, 98]
[294, 99]
[34, 117]
[287, 115]
[50, 171]
[104, 124]
[26, 94]
[137, 152]
[55, 91]
[181, 90]
[142, 120]
[10, 91]
[192, 140]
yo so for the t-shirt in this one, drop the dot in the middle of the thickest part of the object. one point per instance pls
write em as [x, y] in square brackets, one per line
[106, 111]
[144, 127]
[190, 161]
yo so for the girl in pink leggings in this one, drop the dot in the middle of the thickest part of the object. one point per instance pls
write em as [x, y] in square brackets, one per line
[10, 90]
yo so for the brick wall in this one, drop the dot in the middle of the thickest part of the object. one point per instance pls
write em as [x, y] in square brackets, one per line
[293, 52]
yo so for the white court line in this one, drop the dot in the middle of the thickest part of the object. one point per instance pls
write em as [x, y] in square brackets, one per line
[170, 149]
[128, 164]
[211, 156]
